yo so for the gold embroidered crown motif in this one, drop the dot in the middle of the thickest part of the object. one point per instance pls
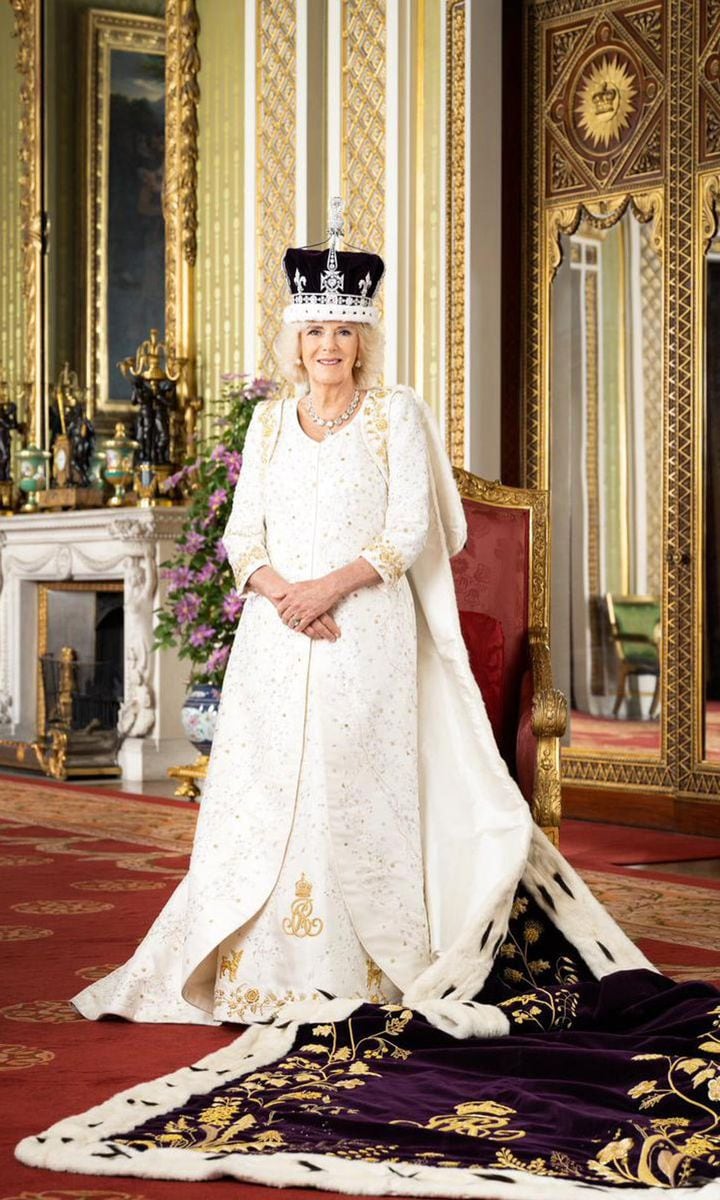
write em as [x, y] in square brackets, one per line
[303, 888]
[605, 99]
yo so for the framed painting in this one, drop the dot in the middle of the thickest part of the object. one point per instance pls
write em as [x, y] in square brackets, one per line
[125, 222]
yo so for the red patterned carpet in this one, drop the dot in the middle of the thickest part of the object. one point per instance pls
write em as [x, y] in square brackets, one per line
[636, 737]
[82, 876]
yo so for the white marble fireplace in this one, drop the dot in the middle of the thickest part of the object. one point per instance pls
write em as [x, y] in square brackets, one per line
[125, 545]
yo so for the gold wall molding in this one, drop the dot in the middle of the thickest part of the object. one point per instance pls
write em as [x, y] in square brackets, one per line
[456, 133]
[276, 164]
[12, 303]
[182, 97]
[27, 29]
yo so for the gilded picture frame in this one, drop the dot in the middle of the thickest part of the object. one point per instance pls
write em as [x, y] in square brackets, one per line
[124, 221]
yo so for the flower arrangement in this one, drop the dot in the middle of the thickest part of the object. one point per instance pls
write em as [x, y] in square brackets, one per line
[202, 607]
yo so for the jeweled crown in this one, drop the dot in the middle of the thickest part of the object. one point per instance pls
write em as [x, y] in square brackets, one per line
[332, 284]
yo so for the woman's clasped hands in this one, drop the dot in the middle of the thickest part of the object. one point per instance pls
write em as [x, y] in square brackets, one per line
[303, 607]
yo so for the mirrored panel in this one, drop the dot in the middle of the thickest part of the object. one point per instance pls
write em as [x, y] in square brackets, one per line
[607, 486]
[104, 137]
[710, 567]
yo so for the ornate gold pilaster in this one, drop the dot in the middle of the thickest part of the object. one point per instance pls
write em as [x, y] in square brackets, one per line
[182, 95]
[455, 215]
[276, 163]
[364, 61]
[27, 28]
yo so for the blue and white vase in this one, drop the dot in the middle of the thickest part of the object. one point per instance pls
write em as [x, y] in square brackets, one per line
[199, 715]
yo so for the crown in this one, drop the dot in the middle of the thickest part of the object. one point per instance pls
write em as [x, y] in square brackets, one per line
[332, 284]
[604, 99]
[303, 888]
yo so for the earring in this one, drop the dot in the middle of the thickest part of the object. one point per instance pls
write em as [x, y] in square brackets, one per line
[358, 363]
[298, 362]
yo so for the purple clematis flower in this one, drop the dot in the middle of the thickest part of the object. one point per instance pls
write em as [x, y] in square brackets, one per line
[187, 608]
[233, 605]
[218, 658]
[201, 635]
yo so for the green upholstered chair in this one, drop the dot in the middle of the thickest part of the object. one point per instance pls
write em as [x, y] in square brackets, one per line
[635, 632]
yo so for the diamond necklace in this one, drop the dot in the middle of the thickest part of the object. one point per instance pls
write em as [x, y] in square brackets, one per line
[333, 421]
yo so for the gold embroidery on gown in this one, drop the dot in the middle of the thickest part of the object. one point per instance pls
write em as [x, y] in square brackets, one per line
[301, 922]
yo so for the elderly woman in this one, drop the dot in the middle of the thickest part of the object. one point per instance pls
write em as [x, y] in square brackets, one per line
[359, 835]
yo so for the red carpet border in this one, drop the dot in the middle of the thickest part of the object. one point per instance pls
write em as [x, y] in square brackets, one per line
[83, 875]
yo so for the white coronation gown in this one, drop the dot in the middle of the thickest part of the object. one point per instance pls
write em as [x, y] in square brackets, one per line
[359, 834]
[317, 889]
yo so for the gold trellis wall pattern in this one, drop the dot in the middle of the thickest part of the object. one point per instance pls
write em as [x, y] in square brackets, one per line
[275, 163]
[364, 67]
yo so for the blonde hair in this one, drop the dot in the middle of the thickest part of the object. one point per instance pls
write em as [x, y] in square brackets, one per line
[371, 353]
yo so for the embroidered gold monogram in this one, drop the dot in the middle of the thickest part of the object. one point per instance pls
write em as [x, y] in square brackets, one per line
[229, 964]
[301, 922]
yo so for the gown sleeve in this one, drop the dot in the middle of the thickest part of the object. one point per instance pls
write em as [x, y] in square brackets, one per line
[244, 534]
[407, 517]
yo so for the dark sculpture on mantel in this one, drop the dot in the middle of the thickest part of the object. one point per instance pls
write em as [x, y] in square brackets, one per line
[8, 425]
[152, 422]
[154, 392]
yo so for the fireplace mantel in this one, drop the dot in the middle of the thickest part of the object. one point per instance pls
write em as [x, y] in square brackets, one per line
[126, 544]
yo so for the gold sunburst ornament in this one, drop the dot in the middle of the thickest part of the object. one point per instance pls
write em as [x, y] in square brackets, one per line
[605, 101]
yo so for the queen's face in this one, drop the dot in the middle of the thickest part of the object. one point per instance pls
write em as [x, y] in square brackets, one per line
[329, 351]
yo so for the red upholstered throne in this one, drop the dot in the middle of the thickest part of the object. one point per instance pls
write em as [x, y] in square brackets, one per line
[501, 582]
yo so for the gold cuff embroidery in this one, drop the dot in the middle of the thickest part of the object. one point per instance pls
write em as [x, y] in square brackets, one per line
[389, 558]
[255, 554]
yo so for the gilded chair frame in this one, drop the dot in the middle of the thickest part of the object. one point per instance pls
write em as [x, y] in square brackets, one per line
[182, 65]
[549, 706]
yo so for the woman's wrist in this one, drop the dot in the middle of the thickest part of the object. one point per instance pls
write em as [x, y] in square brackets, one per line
[268, 583]
[357, 574]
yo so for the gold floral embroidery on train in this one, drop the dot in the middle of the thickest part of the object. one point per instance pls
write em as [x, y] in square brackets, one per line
[301, 923]
[474, 1118]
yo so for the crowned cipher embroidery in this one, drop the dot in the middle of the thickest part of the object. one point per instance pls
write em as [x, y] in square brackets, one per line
[301, 922]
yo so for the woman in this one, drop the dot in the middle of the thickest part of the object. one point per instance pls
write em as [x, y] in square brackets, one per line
[360, 839]
[359, 835]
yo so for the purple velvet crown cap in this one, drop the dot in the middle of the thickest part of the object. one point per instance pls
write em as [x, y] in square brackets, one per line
[332, 285]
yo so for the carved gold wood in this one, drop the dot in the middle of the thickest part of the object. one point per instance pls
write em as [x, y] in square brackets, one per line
[708, 212]
[549, 709]
[275, 163]
[27, 27]
[182, 96]
[455, 225]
